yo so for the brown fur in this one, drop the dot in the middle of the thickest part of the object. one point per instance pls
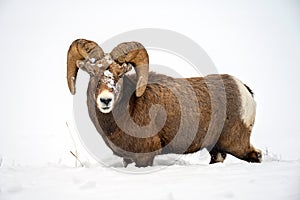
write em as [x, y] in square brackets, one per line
[160, 118]
[220, 127]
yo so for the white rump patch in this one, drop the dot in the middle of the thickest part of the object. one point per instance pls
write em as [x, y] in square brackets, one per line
[248, 105]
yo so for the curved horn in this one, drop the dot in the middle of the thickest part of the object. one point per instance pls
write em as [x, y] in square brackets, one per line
[80, 49]
[136, 54]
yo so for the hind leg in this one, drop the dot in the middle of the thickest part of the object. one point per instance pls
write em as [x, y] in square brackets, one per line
[249, 154]
[144, 160]
[254, 155]
[216, 156]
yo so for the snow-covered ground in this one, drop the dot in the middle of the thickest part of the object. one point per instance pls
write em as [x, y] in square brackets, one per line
[230, 180]
[257, 41]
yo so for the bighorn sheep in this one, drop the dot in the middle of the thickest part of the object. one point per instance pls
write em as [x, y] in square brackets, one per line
[139, 127]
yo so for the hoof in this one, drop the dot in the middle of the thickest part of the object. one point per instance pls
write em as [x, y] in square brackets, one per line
[218, 157]
[254, 156]
[126, 162]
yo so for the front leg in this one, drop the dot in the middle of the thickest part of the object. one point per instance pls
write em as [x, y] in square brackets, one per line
[126, 162]
[144, 160]
[217, 156]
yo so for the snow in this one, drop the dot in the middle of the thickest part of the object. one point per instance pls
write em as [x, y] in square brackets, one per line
[109, 79]
[108, 74]
[230, 180]
[92, 60]
[256, 41]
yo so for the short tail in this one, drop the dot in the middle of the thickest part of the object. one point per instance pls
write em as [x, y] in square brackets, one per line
[249, 89]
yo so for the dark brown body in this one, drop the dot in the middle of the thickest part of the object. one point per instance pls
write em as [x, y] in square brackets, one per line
[220, 127]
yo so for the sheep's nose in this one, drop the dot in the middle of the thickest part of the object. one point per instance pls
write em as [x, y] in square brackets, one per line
[105, 101]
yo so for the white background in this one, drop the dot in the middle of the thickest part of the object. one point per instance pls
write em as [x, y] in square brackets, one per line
[256, 41]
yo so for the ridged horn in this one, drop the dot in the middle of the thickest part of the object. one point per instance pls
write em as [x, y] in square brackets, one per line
[136, 54]
[80, 49]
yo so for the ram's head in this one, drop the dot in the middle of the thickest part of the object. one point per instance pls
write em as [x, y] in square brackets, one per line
[109, 68]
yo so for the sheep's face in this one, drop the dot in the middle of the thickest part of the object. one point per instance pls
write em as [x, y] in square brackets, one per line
[109, 73]
[109, 86]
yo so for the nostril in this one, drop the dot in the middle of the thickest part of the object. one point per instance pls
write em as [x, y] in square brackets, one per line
[105, 101]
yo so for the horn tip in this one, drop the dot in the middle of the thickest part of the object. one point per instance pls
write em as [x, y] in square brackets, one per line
[140, 91]
[72, 85]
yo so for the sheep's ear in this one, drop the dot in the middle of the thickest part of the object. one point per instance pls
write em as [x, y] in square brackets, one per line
[80, 64]
[124, 69]
[87, 67]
